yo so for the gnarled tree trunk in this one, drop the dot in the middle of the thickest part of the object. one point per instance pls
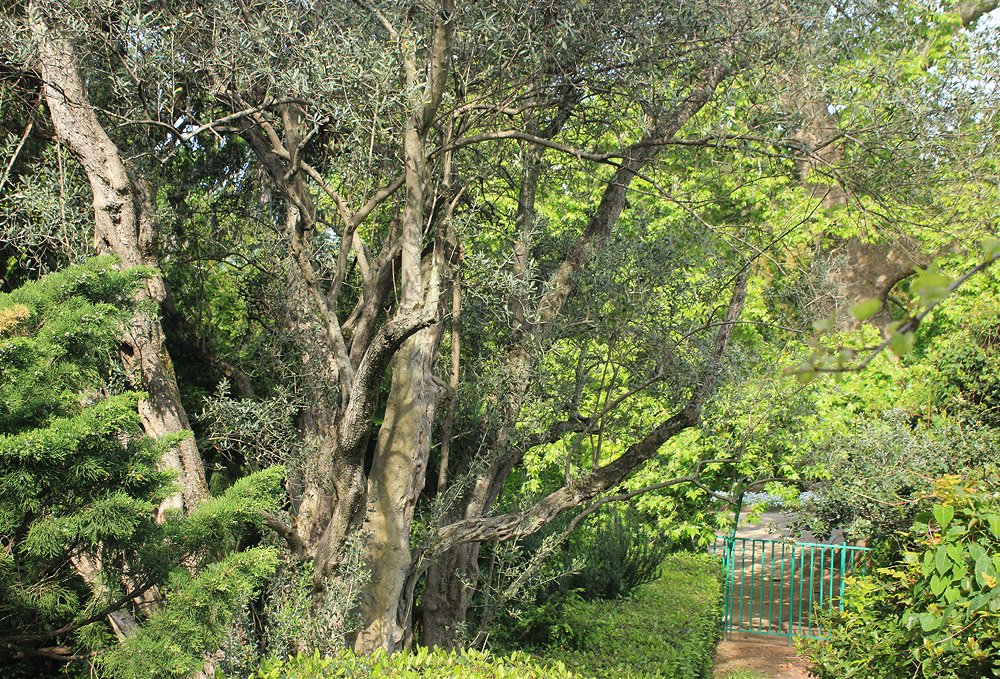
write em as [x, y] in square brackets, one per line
[123, 223]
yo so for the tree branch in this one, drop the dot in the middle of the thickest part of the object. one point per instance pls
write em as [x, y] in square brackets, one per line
[287, 533]
[73, 626]
[580, 491]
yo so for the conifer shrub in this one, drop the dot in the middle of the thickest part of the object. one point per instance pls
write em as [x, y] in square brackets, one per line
[80, 487]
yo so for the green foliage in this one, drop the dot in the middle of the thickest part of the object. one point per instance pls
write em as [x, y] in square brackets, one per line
[605, 559]
[932, 611]
[405, 665]
[288, 618]
[743, 673]
[878, 472]
[81, 487]
[618, 555]
[194, 621]
[667, 628]
[46, 208]
[259, 432]
[963, 368]
[927, 289]
[881, 436]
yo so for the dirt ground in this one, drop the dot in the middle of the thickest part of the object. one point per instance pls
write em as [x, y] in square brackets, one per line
[766, 659]
[755, 653]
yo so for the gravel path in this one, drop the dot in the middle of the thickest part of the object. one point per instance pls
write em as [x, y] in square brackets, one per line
[766, 659]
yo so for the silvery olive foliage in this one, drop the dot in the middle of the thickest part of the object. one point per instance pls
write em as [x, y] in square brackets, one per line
[258, 432]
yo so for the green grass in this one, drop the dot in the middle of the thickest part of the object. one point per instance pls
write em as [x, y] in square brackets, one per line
[667, 628]
[743, 673]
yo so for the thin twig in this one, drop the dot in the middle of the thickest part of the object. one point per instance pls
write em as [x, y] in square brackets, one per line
[17, 151]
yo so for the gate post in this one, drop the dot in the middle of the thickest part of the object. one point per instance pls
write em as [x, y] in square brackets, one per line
[843, 566]
[791, 597]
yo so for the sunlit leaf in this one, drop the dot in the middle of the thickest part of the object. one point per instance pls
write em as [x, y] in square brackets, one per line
[865, 309]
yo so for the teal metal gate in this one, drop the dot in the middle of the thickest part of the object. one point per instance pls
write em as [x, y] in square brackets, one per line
[776, 588]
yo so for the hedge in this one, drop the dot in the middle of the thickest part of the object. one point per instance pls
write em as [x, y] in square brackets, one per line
[667, 628]
[408, 665]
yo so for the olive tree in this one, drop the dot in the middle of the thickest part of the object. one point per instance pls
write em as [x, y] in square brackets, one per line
[395, 150]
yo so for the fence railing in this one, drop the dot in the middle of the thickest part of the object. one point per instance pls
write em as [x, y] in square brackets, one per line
[776, 587]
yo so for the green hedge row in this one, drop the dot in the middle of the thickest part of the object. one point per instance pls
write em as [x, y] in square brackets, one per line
[420, 663]
[667, 628]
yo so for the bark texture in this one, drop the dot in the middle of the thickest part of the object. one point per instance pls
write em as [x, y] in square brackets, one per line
[123, 223]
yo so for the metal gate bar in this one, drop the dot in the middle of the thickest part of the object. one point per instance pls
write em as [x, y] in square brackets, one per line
[809, 578]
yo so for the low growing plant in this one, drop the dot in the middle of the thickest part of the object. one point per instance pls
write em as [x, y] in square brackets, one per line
[422, 663]
[666, 628]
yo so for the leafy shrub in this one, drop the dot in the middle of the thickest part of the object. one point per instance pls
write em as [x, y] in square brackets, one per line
[879, 470]
[667, 628]
[606, 561]
[423, 663]
[620, 554]
[967, 383]
[933, 611]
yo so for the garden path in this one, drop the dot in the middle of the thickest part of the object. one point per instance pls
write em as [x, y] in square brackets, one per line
[745, 655]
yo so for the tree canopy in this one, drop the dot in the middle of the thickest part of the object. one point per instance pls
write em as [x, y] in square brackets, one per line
[459, 268]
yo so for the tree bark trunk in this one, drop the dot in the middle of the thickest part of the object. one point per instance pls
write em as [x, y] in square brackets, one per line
[446, 594]
[399, 469]
[124, 226]
[394, 484]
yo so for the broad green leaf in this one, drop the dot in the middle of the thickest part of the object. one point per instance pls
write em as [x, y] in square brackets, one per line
[865, 309]
[977, 551]
[985, 573]
[941, 561]
[806, 376]
[978, 602]
[960, 569]
[938, 585]
[991, 247]
[929, 622]
[955, 553]
[930, 281]
[943, 514]
[928, 564]
[902, 342]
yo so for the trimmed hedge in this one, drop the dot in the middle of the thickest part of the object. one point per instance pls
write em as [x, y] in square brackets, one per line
[420, 663]
[667, 628]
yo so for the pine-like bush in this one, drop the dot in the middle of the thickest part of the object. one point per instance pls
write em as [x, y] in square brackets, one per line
[86, 571]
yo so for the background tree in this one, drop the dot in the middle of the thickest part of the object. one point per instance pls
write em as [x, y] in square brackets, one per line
[568, 199]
